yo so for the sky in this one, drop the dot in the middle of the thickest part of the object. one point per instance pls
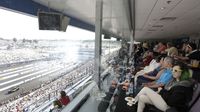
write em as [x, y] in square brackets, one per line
[16, 25]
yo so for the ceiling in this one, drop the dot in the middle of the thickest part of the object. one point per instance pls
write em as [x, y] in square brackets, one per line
[149, 19]
[184, 18]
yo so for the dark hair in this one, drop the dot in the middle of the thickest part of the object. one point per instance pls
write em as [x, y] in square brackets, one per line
[57, 103]
[193, 45]
[63, 94]
[158, 58]
[170, 44]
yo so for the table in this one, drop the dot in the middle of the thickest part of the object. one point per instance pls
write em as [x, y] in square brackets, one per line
[122, 103]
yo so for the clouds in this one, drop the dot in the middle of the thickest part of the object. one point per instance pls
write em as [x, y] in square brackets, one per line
[21, 26]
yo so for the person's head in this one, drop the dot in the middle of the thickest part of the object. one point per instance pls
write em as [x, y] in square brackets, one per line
[168, 62]
[57, 104]
[145, 45]
[160, 44]
[114, 83]
[184, 45]
[169, 44]
[177, 71]
[150, 53]
[162, 61]
[180, 73]
[190, 47]
[62, 94]
[158, 58]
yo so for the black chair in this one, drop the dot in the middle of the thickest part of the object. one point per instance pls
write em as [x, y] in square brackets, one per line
[193, 104]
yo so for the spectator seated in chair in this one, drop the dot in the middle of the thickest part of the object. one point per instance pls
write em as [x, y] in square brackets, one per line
[165, 76]
[177, 93]
[64, 99]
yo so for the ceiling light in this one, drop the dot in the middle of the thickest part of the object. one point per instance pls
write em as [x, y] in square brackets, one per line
[157, 26]
[162, 8]
[168, 18]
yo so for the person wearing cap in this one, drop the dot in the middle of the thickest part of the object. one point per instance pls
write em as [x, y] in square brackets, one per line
[174, 94]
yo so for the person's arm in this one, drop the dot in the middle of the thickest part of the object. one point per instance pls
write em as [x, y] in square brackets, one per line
[156, 85]
[181, 58]
[159, 89]
[148, 84]
[154, 77]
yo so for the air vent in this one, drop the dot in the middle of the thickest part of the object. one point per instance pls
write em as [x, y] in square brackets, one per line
[157, 26]
[151, 30]
[168, 18]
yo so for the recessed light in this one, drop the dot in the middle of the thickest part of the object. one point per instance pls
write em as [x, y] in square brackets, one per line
[162, 8]
[150, 30]
[157, 26]
[168, 18]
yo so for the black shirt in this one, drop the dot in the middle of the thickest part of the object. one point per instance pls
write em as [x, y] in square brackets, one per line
[178, 97]
[195, 55]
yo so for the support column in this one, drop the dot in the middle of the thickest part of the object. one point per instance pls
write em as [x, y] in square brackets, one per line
[131, 44]
[98, 28]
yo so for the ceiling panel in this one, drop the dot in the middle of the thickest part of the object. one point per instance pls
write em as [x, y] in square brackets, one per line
[143, 9]
[187, 22]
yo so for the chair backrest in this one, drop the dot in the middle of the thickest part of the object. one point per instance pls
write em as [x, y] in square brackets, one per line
[194, 104]
[196, 107]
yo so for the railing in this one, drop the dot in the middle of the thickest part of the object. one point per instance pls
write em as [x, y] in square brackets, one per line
[50, 91]
[74, 92]
[71, 91]
[72, 106]
[63, 83]
[84, 94]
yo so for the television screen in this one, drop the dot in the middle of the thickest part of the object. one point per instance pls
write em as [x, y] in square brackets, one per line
[49, 21]
[107, 37]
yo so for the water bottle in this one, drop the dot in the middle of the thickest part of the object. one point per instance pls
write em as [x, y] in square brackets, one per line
[131, 89]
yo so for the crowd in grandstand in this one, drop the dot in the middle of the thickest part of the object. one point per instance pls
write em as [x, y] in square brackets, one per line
[31, 100]
[159, 74]
[19, 55]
